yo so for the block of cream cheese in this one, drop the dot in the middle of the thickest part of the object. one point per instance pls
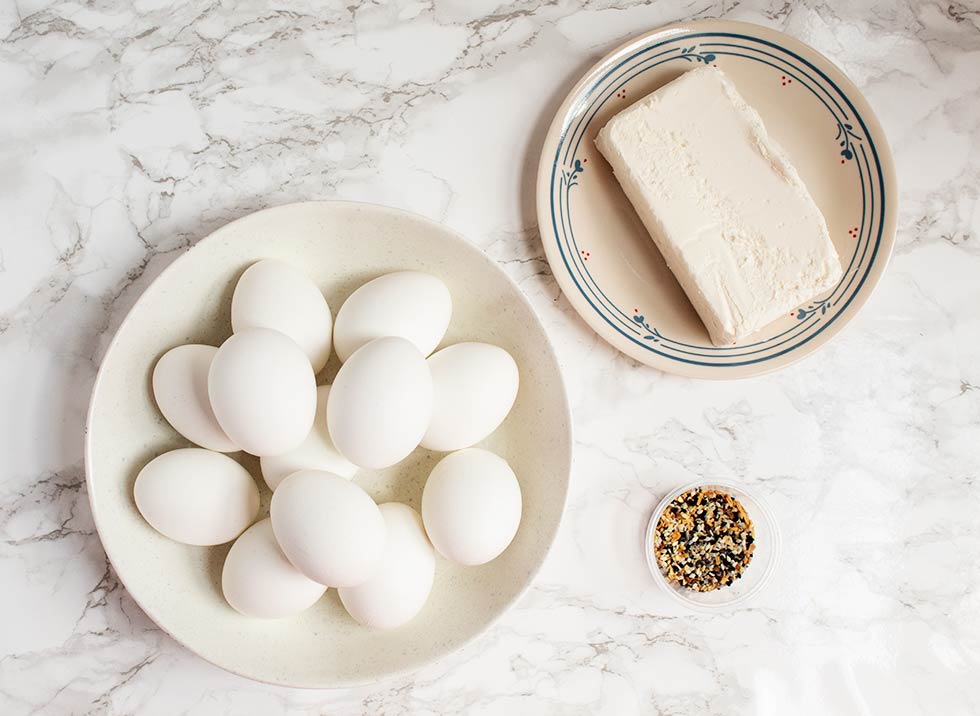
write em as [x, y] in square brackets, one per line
[721, 200]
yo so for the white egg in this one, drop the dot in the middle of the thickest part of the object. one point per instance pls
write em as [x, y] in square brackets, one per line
[329, 528]
[258, 580]
[401, 586]
[180, 387]
[315, 453]
[263, 391]
[474, 386]
[471, 506]
[381, 403]
[273, 294]
[413, 305]
[196, 496]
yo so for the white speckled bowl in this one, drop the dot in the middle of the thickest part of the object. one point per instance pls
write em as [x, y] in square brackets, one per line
[340, 245]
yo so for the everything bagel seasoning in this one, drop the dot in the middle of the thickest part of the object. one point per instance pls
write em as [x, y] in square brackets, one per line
[704, 540]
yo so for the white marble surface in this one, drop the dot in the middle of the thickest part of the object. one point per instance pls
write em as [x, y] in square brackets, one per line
[128, 131]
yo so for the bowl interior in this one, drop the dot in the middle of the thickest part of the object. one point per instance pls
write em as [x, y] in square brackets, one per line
[756, 575]
[340, 246]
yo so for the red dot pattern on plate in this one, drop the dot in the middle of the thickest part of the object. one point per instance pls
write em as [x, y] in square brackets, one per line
[786, 80]
[621, 94]
[853, 233]
[585, 255]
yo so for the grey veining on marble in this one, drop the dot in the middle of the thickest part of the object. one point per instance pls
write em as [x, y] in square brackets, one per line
[130, 130]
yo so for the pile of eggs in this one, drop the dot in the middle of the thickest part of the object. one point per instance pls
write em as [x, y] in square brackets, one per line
[257, 393]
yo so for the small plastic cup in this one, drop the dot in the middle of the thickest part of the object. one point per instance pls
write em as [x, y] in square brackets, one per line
[756, 575]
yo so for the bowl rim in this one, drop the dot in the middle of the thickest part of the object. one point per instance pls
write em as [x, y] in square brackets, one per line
[548, 348]
[737, 490]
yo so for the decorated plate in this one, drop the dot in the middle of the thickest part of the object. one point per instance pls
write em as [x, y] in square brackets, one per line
[602, 256]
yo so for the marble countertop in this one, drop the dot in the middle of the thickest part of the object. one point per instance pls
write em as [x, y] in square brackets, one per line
[128, 131]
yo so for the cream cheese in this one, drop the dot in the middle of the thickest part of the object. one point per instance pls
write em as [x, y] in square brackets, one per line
[722, 202]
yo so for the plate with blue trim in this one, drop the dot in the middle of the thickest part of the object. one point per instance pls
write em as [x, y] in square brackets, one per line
[605, 261]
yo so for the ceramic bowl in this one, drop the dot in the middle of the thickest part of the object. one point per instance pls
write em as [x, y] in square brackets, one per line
[340, 246]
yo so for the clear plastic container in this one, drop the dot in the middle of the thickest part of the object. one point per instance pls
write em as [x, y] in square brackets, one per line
[756, 575]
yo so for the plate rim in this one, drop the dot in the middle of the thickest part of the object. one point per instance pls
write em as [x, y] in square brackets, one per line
[562, 397]
[596, 320]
